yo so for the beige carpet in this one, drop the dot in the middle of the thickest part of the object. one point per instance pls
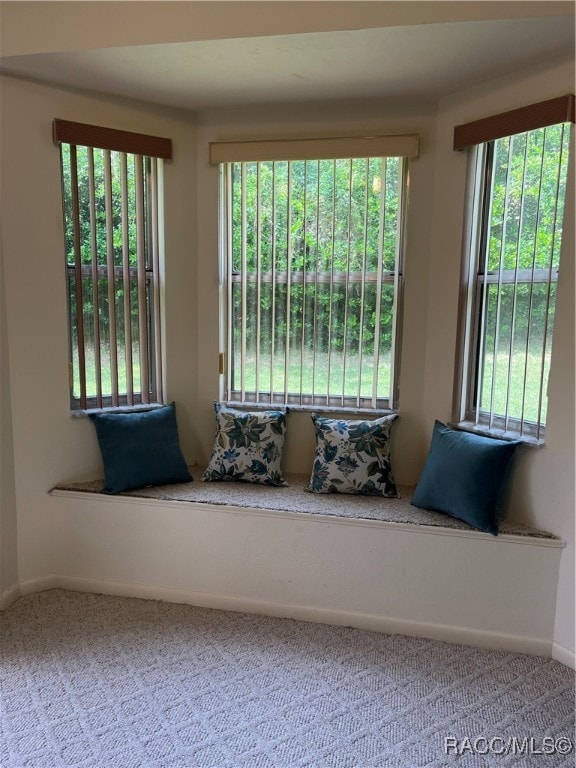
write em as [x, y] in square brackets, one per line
[89, 681]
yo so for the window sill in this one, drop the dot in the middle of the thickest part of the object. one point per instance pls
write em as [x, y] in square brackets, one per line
[85, 413]
[497, 434]
[375, 413]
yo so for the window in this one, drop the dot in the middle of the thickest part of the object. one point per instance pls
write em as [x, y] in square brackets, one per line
[110, 187]
[519, 183]
[312, 274]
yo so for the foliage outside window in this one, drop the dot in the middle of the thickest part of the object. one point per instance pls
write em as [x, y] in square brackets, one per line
[520, 183]
[111, 238]
[313, 272]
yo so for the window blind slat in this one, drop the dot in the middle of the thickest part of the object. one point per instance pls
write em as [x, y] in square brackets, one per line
[379, 282]
[288, 279]
[243, 271]
[141, 266]
[548, 292]
[126, 278]
[95, 279]
[113, 337]
[78, 276]
[509, 382]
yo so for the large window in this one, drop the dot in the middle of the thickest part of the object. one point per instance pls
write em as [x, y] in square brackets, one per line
[112, 220]
[519, 183]
[312, 279]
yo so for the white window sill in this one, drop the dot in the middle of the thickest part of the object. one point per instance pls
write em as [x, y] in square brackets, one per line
[497, 434]
[346, 410]
[84, 413]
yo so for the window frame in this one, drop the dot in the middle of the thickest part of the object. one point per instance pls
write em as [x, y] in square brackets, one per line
[313, 151]
[471, 328]
[147, 154]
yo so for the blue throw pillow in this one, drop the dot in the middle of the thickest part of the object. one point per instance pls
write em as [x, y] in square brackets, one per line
[465, 476]
[140, 449]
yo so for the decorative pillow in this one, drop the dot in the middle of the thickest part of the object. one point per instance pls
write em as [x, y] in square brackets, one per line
[140, 449]
[248, 446]
[353, 457]
[465, 476]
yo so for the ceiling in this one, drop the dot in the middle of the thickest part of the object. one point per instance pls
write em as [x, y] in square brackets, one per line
[426, 62]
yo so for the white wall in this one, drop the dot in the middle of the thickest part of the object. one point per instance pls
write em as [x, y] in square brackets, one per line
[542, 489]
[48, 443]
[50, 446]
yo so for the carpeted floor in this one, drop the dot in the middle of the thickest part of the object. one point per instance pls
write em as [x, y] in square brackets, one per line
[92, 681]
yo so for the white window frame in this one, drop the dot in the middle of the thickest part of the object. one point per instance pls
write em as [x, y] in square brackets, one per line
[312, 150]
[468, 414]
[138, 272]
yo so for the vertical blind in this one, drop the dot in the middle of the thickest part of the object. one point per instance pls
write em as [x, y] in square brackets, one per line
[111, 230]
[313, 274]
[521, 168]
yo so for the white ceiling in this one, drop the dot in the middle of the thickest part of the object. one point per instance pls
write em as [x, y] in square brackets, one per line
[426, 61]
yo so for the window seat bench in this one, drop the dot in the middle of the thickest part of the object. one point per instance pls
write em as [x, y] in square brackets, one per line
[361, 561]
[294, 498]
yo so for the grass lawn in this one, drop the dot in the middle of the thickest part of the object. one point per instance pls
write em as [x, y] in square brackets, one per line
[313, 374]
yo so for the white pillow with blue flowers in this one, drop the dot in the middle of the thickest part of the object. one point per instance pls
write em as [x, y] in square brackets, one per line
[353, 457]
[248, 446]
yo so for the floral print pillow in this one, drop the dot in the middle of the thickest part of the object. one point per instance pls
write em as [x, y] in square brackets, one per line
[248, 446]
[353, 457]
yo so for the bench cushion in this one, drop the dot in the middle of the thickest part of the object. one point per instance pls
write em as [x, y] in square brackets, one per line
[295, 498]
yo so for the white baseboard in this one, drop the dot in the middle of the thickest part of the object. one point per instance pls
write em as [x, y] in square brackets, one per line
[445, 633]
[9, 596]
[566, 656]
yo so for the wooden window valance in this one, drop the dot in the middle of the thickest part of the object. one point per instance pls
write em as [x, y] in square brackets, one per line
[97, 136]
[540, 115]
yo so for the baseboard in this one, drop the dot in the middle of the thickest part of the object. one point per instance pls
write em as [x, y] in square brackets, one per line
[566, 656]
[9, 596]
[389, 625]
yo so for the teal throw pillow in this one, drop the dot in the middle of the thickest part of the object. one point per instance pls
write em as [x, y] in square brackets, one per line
[353, 457]
[140, 449]
[465, 476]
[248, 446]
